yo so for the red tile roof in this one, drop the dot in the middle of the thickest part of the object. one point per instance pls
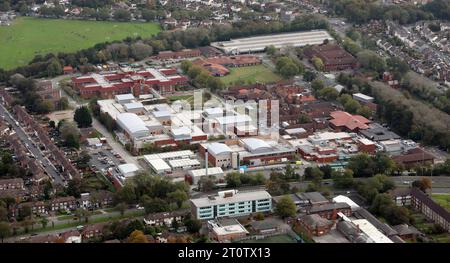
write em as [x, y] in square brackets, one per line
[349, 121]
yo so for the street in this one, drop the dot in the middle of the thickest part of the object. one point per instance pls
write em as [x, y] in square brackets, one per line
[32, 147]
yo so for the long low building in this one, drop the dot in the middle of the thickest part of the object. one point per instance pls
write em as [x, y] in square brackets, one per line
[259, 44]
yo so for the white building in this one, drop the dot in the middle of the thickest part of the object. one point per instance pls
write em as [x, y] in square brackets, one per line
[128, 170]
[197, 174]
[259, 43]
[133, 126]
[231, 204]
[159, 166]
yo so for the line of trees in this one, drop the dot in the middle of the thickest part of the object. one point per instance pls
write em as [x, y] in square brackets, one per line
[154, 193]
[363, 11]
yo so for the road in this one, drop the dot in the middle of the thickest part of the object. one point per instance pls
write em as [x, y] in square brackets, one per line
[32, 147]
[113, 214]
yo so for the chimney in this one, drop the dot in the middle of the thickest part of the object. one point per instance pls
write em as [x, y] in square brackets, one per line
[206, 162]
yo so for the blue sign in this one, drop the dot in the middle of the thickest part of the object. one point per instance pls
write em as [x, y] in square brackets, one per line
[243, 167]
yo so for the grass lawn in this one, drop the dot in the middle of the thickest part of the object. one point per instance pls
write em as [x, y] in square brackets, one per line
[187, 98]
[443, 200]
[272, 239]
[29, 36]
[253, 74]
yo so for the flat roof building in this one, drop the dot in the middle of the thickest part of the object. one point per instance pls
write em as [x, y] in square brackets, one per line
[133, 126]
[231, 203]
[159, 166]
[259, 43]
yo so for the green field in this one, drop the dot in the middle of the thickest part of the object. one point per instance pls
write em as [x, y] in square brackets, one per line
[443, 200]
[29, 36]
[250, 75]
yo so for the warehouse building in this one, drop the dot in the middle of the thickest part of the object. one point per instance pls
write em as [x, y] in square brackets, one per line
[259, 43]
[132, 126]
[231, 203]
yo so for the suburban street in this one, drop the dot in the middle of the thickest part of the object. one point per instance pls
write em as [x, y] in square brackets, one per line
[32, 147]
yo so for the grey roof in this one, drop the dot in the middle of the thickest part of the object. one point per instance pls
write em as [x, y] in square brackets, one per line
[376, 132]
[268, 223]
[313, 197]
[131, 122]
[133, 105]
[405, 229]
[385, 228]
[217, 148]
[124, 97]
[327, 207]
[254, 144]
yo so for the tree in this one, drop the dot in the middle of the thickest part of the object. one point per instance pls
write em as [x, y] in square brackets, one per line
[304, 118]
[318, 63]
[285, 207]
[423, 184]
[121, 207]
[329, 94]
[206, 184]
[67, 128]
[233, 179]
[352, 106]
[83, 117]
[122, 15]
[54, 68]
[309, 76]
[271, 50]
[148, 15]
[193, 225]
[371, 61]
[364, 111]
[103, 14]
[5, 230]
[178, 196]
[140, 50]
[72, 142]
[317, 85]
[137, 236]
[289, 70]
[3, 213]
[155, 205]
[44, 222]
[83, 160]
[63, 103]
[381, 203]
[343, 179]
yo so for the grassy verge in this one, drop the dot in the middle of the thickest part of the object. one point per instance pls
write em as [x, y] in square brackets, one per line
[250, 75]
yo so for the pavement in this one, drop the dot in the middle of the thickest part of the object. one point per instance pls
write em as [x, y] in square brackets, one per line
[111, 214]
[32, 147]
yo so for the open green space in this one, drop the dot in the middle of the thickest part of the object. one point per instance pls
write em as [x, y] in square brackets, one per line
[272, 239]
[250, 75]
[28, 37]
[443, 200]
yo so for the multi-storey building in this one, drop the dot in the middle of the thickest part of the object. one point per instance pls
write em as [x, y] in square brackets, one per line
[231, 204]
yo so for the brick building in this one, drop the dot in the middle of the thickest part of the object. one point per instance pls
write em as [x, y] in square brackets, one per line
[107, 85]
[333, 57]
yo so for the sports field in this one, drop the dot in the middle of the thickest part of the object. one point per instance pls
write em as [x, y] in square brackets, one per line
[28, 36]
[250, 75]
